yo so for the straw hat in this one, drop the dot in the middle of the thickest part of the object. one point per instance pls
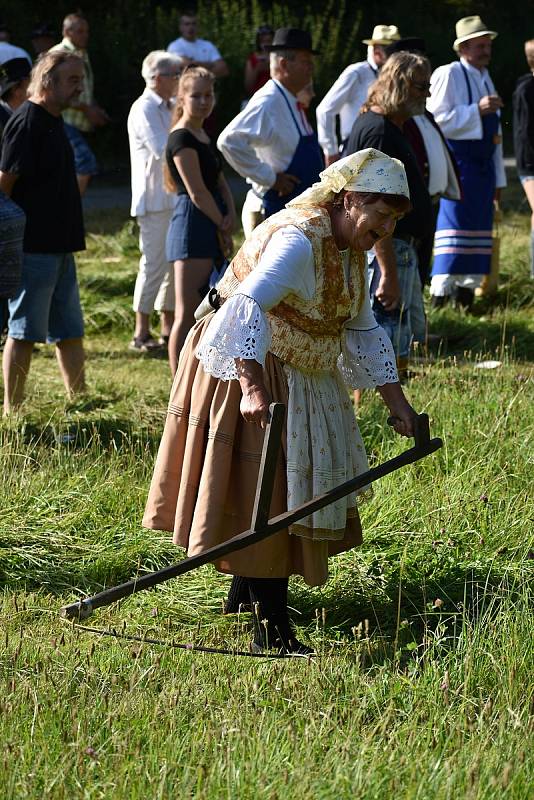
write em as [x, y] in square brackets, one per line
[383, 34]
[469, 28]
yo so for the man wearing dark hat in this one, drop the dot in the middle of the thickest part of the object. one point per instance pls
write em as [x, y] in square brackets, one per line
[467, 107]
[9, 51]
[43, 38]
[14, 81]
[349, 92]
[270, 143]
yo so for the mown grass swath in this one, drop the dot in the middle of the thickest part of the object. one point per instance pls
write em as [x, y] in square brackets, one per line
[423, 682]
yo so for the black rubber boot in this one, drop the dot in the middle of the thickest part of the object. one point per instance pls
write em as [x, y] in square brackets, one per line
[238, 600]
[439, 301]
[272, 628]
[464, 297]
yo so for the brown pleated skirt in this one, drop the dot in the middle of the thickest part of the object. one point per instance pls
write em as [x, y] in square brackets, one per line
[206, 471]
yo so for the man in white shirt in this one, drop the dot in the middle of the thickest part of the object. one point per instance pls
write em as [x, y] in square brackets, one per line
[270, 143]
[197, 51]
[349, 92]
[467, 107]
[148, 127]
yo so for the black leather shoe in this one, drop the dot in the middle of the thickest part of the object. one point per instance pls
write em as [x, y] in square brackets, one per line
[464, 298]
[438, 301]
[292, 647]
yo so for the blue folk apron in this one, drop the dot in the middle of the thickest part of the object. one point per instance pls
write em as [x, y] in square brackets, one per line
[463, 241]
[306, 164]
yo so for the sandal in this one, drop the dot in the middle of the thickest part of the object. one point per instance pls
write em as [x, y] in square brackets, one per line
[146, 344]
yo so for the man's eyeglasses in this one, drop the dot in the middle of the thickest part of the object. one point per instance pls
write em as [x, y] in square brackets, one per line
[169, 74]
[422, 87]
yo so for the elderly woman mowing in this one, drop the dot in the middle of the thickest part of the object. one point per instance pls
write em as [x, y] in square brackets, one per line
[294, 326]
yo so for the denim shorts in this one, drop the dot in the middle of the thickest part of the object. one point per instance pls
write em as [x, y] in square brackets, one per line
[191, 233]
[84, 158]
[525, 178]
[46, 308]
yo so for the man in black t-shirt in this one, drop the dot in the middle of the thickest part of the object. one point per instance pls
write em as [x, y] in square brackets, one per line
[523, 105]
[37, 171]
[399, 93]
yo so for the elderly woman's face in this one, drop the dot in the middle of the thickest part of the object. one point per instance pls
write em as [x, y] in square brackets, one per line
[369, 223]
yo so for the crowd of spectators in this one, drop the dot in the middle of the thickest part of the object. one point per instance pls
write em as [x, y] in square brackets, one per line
[443, 125]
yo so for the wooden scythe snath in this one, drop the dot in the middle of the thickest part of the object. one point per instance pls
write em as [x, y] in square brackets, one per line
[261, 527]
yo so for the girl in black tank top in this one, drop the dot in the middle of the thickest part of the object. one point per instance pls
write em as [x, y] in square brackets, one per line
[204, 215]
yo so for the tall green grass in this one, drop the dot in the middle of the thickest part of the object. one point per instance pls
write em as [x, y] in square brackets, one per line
[422, 686]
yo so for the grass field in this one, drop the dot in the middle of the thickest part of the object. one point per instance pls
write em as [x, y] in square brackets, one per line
[422, 687]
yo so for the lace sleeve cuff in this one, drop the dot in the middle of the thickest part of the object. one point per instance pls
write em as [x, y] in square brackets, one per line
[239, 329]
[367, 359]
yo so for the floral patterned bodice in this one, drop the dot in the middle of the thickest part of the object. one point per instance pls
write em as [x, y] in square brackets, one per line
[306, 333]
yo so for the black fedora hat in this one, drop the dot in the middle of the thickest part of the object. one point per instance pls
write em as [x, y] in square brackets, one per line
[412, 44]
[43, 29]
[292, 39]
[13, 71]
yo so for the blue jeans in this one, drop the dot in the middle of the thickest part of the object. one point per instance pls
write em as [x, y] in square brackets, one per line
[407, 322]
[46, 308]
[84, 158]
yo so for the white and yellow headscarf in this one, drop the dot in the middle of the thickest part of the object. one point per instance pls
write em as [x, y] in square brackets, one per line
[367, 170]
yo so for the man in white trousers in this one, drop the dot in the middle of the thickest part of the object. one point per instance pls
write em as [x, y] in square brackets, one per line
[148, 128]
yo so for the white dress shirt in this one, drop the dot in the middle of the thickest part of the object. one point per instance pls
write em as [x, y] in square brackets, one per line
[9, 51]
[148, 128]
[449, 102]
[262, 139]
[199, 50]
[345, 98]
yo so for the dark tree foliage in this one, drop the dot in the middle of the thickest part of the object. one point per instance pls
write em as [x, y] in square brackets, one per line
[124, 31]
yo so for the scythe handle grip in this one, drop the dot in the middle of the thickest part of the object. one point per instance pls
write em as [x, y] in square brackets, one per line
[421, 429]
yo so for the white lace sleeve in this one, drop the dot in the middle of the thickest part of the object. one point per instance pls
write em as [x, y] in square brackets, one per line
[367, 358]
[240, 329]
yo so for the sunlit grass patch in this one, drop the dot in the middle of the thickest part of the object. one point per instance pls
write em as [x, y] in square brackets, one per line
[422, 684]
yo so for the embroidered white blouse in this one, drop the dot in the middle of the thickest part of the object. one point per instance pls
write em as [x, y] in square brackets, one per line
[240, 329]
[324, 445]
